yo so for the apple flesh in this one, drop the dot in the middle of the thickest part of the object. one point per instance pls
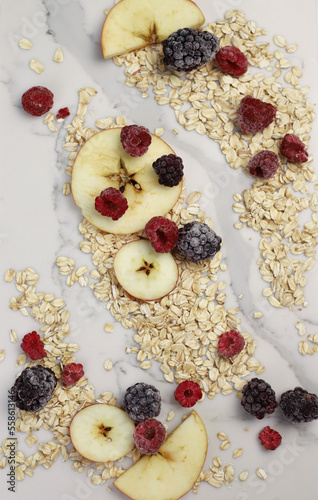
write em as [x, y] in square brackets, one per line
[102, 433]
[102, 162]
[173, 470]
[143, 273]
[133, 24]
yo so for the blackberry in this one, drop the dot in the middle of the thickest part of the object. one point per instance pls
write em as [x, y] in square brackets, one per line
[197, 241]
[170, 170]
[299, 405]
[188, 49]
[34, 388]
[258, 398]
[142, 401]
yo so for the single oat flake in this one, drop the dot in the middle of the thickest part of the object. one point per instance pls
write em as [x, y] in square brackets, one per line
[36, 66]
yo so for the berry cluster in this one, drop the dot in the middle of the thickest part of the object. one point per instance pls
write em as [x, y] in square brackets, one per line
[111, 203]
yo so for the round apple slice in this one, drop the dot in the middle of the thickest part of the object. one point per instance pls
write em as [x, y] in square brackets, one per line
[144, 273]
[132, 24]
[102, 433]
[102, 162]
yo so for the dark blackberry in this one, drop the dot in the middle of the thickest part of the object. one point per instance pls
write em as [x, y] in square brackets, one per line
[258, 398]
[188, 49]
[34, 388]
[299, 405]
[142, 401]
[197, 241]
[170, 170]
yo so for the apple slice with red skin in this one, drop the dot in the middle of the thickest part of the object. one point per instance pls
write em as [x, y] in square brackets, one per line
[133, 24]
[173, 470]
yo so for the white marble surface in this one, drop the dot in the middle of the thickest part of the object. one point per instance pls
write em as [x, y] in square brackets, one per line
[38, 224]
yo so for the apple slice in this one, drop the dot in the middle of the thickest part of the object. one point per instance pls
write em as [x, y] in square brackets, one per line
[102, 432]
[173, 470]
[133, 24]
[144, 273]
[102, 162]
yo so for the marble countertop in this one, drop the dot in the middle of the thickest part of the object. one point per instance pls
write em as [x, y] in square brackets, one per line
[38, 224]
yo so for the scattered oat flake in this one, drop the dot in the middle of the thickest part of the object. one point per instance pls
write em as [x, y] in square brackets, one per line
[279, 41]
[291, 48]
[301, 328]
[237, 453]
[2, 354]
[25, 44]
[36, 66]
[108, 365]
[243, 475]
[9, 275]
[170, 416]
[13, 336]
[58, 55]
[261, 473]
[66, 189]
[109, 327]
[159, 131]
[257, 315]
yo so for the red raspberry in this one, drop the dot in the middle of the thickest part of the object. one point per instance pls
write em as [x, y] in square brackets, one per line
[62, 113]
[294, 149]
[162, 233]
[187, 393]
[72, 373]
[231, 60]
[263, 164]
[135, 139]
[149, 436]
[230, 343]
[270, 438]
[37, 100]
[32, 346]
[254, 115]
[111, 203]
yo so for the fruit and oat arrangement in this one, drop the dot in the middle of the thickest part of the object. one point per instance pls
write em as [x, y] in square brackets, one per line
[156, 256]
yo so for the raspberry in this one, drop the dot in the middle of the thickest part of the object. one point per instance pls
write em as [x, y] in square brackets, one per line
[162, 234]
[72, 373]
[294, 149]
[135, 139]
[230, 343]
[264, 164]
[299, 405]
[149, 436]
[270, 438]
[32, 346]
[37, 100]
[62, 113]
[170, 170]
[34, 388]
[111, 203]
[142, 401]
[187, 393]
[258, 398]
[231, 60]
[254, 115]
